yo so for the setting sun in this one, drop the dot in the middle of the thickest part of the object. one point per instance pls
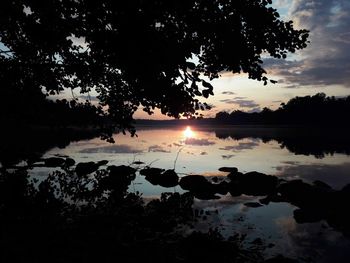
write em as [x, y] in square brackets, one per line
[188, 132]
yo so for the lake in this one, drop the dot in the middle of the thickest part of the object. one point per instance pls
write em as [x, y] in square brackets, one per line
[288, 153]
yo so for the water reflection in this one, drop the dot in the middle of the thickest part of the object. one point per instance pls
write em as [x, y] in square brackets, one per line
[198, 150]
[188, 133]
[316, 141]
[201, 150]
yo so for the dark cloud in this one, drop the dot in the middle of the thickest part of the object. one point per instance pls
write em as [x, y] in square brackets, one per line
[228, 93]
[326, 61]
[241, 102]
[198, 142]
[122, 148]
[241, 146]
[157, 148]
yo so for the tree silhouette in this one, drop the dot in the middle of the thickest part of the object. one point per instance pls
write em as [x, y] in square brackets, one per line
[137, 54]
[308, 110]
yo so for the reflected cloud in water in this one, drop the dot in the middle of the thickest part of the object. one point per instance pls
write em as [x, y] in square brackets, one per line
[337, 176]
[158, 148]
[198, 142]
[241, 146]
[317, 240]
[121, 148]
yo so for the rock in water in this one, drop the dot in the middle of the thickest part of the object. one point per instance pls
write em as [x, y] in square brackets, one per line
[86, 168]
[168, 179]
[54, 162]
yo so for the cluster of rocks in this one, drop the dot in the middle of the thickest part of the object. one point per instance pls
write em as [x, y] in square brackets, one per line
[314, 202]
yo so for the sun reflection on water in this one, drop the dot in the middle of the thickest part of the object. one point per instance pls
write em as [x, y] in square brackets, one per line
[188, 133]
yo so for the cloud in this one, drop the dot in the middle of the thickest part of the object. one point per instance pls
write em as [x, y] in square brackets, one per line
[228, 93]
[281, 3]
[241, 146]
[241, 102]
[122, 148]
[326, 60]
[158, 148]
[198, 142]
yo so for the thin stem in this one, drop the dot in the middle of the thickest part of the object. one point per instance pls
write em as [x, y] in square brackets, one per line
[177, 156]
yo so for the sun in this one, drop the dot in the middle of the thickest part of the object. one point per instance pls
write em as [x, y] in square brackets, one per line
[188, 132]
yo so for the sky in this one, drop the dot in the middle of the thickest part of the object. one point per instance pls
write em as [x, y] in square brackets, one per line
[324, 66]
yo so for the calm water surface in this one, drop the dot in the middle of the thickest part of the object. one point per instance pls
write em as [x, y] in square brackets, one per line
[198, 150]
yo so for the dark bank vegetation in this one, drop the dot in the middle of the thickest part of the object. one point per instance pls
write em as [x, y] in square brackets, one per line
[308, 110]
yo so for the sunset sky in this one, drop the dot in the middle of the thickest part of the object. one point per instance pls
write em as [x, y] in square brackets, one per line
[324, 66]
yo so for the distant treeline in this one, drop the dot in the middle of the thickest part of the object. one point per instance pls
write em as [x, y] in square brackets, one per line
[317, 109]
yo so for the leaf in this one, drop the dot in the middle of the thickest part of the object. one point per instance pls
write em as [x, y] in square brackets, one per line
[191, 65]
[207, 85]
[205, 93]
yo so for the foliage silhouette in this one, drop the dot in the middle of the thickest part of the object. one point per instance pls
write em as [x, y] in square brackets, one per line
[137, 54]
